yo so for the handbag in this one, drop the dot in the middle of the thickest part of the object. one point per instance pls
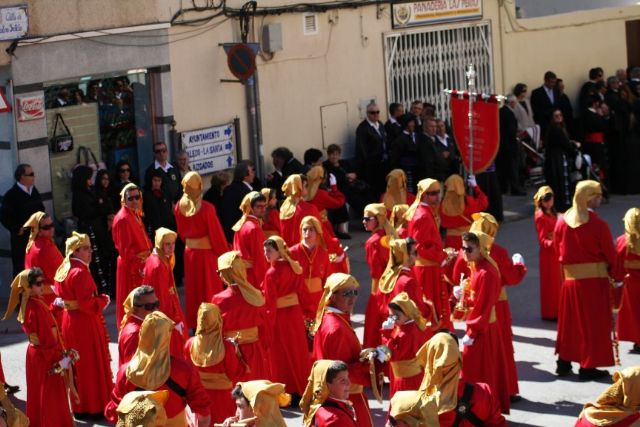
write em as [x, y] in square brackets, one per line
[63, 142]
[85, 157]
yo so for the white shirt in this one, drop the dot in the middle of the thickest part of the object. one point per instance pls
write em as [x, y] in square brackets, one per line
[550, 93]
[25, 189]
[331, 309]
[443, 140]
[248, 185]
[165, 168]
[374, 125]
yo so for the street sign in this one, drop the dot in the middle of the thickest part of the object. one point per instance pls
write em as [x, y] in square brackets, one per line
[5, 107]
[241, 59]
[210, 149]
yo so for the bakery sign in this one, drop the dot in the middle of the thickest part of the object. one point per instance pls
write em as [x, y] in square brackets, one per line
[14, 22]
[427, 12]
[30, 107]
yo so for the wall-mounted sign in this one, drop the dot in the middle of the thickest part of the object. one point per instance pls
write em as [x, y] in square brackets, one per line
[30, 107]
[427, 12]
[210, 149]
[14, 22]
[5, 107]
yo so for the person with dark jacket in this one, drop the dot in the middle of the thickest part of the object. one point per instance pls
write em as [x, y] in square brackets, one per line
[103, 190]
[392, 126]
[285, 165]
[509, 153]
[158, 209]
[543, 100]
[243, 178]
[560, 154]
[171, 186]
[404, 151]
[18, 204]
[372, 151]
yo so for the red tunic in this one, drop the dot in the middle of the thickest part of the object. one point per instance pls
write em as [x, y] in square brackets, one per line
[237, 315]
[336, 340]
[84, 329]
[46, 393]
[484, 360]
[483, 404]
[222, 405]
[133, 247]
[550, 271]
[424, 229]
[282, 290]
[290, 227]
[315, 269]
[455, 225]
[128, 340]
[183, 374]
[334, 413]
[45, 255]
[324, 200]
[271, 223]
[201, 280]
[585, 302]
[249, 240]
[626, 422]
[404, 341]
[628, 327]
[377, 257]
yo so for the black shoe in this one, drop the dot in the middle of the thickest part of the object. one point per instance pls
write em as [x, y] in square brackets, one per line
[86, 416]
[592, 374]
[11, 389]
[343, 236]
[635, 349]
[514, 398]
[563, 368]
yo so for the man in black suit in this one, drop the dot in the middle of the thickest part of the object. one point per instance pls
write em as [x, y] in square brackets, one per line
[18, 204]
[544, 100]
[447, 159]
[372, 151]
[171, 185]
[404, 151]
[509, 153]
[242, 184]
[427, 150]
[285, 164]
[589, 89]
[392, 127]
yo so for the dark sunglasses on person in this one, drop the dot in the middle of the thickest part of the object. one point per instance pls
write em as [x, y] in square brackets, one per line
[29, 174]
[547, 197]
[132, 198]
[349, 293]
[433, 193]
[47, 226]
[162, 150]
[373, 112]
[150, 306]
[368, 218]
[39, 283]
[468, 249]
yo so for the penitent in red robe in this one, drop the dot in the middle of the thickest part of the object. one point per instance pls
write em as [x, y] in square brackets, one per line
[271, 223]
[45, 255]
[283, 290]
[84, 329]
[585, 302]
[483, 362]
[456, 225]
[315, 270]
[424, 229]
[130, 337]
[336, 340]
[183, 374]
[377, 257]
[630, 421]
[290, 227]
[201, 280]
[628, 327]
[46, 393]
[249, 240]
[133, 247]
[550, 270]
[404, 341]
[334, 413]
[239, 315]
[483, 404]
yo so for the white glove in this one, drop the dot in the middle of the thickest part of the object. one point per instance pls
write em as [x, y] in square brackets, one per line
[380, 356]
[180, 327]
[332, 180]
[65, 362]
[388, 324]
[517, 259]
[467, 340]
[457, 292]
[58, 302]
[339, 258]
[471, 180]
[108, 302]
[618, 284]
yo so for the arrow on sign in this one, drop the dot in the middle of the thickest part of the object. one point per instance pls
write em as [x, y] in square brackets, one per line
[227, 131]
[229, 161]
[228, 146]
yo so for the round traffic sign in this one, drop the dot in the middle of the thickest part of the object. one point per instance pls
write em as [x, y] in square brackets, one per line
[241, 61]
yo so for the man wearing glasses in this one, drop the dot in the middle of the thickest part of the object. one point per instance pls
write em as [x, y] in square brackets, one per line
[18, 204]
[372, 151]
[170, 176]
[140, 303]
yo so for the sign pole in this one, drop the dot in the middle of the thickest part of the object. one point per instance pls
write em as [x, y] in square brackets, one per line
[471, 80]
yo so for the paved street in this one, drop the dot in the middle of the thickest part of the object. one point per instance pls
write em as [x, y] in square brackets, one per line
[546, 401]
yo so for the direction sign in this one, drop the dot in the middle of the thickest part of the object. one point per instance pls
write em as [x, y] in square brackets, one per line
[210, 149]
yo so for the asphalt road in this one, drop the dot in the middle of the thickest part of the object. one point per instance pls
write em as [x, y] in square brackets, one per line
[547, 400]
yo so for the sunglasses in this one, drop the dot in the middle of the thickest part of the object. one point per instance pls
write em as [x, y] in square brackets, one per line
[368, 218]
[433, 193]
[38, 283]
[131, 198]
[547, 197]
[468, 249]
[47, 226]
[162, 150]
[350, 293]
[124, 170]
[29, 174]
[150, 306]
[373, 112]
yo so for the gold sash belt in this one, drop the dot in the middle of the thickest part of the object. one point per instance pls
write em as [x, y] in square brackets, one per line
[406, 368]
[215, 380]
[422, 262]
[33, 339]
[374, 285]
[287, 301]
[71, 305]
[632, 264]
[492, 316]
[244, 336]
[503, 295]
[458, 231]
[198, 243]
[587, 270]
[356, 388]
[314, 285]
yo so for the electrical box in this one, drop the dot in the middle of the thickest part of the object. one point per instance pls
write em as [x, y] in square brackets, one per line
[272, 38]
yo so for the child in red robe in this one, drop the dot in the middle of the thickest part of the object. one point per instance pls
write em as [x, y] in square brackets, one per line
[249, 236]
[628, 251]
[396, 193]
[399, 221]
[456, 208]
[42, 252]
[271, 218]
[294, 208]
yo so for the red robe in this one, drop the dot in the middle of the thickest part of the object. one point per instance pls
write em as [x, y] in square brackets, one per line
[628, 327]
[271, 223]
[183, 374]
[550, 270]
[324, 200]
[456, 225]
[483, 361]
[249, 240]
[84, 330]
[201, 280]
[334, 413]
[377, 257]
[626, 422]
[424, 229]
[290, 227]
[283, 290]
[483, 404]
[315, 270]
[403, 231]
[130, 336]
[237, 314]
[222, 405]
[336, 340]
[133, 247]
[159, 275]
[46, 393]
[45, 255]
[404, 341]
[585, 302]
